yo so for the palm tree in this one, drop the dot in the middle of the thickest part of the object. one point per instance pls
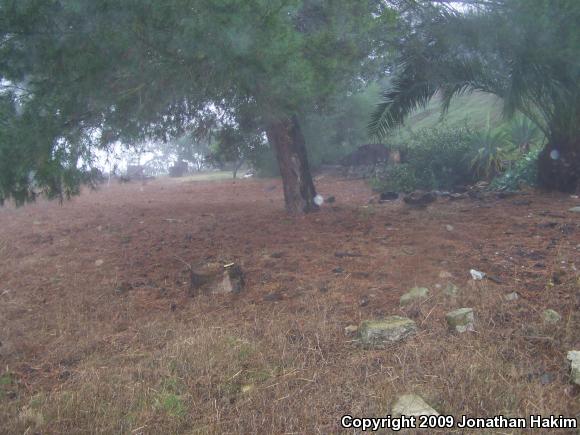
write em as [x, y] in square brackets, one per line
[526, 52]
[523, 134]
[489, 152]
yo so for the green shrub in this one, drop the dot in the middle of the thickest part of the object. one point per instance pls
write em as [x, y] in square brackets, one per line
[489, 151]
[524, 171]
[435, 158]
[395, 178]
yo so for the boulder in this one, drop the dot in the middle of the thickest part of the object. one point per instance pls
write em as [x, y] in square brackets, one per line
[412, 405]
[414, 295]
[390, 330]
[461, 320]
[574, 358]
[217, 279]
[551, 316]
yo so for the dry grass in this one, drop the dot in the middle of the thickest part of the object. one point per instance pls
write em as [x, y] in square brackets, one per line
[81, 358]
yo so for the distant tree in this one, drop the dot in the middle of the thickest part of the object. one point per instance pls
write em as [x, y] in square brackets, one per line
[526, 52]
[236, 146]
[80, 75]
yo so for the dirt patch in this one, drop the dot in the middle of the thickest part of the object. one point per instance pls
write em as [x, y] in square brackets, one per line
[104, 335]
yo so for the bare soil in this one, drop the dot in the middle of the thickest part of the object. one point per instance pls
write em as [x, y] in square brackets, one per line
[99, 332]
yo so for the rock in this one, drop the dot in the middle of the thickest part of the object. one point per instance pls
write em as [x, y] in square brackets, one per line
[351, 329]
[445, 275]
[513, 296]
[217, 279]
[551, 316]
[575, 209]
[419, 199]
[449, 228]
[477, 275]
[414, 295]
[451, 290]
[412, 405]
[338, 270]
[461, 320]
[99, 262]
[392, 329]
[330, 200]
[388, 196]
[574, 358]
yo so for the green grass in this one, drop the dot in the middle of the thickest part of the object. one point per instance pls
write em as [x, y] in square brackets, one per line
[473, 109]
[209, 176]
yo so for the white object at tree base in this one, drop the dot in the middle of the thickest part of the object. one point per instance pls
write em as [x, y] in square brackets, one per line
[318, 200]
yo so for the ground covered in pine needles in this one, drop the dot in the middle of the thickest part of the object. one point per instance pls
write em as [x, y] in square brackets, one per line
[99, 331]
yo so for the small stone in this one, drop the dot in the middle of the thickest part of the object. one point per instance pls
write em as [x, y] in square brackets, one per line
[551, 316]
[412, 405]
[99, 262]
[391, 329]
[445, 275]
[477, 275]
[330, 200]
[451, 290]
[574, 358]
[351, 329]
[461, 320]
[575, 209]
[449, 228]
[413, 295]
[513, 296]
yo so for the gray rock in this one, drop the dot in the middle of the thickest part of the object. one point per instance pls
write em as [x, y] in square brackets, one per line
[513, 296]
[391, 329]
[414, 295]
[461, 320]
[575, 209]
[574, 358]
[551, 316]
[412, 405]
[449, 228]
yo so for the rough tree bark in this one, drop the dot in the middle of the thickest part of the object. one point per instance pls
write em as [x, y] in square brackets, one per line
[287, 139]
[559, 165]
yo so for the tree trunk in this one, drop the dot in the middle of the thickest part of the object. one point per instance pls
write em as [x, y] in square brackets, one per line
[287, 139]
[559, 165]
